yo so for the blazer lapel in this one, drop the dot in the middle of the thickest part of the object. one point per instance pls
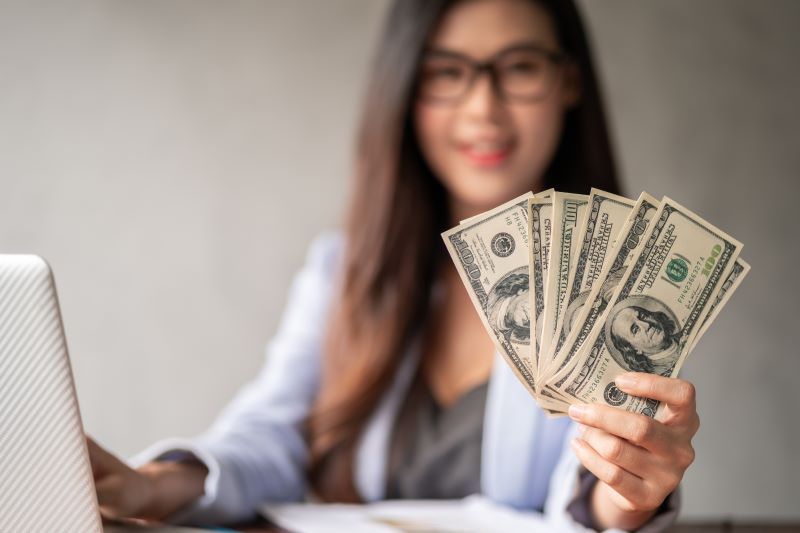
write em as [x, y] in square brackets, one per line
[509, 430]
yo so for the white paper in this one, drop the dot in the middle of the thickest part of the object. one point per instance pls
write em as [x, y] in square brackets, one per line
[474, 514]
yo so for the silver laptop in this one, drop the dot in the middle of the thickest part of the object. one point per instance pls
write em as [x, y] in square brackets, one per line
[46, 481]
[45, 475]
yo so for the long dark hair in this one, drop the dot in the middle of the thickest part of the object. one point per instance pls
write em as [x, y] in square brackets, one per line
[396, 213]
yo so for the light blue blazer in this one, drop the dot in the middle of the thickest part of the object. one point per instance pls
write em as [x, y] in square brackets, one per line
[256, 453]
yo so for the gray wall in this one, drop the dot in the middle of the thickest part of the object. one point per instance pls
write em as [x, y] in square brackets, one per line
[173, 159]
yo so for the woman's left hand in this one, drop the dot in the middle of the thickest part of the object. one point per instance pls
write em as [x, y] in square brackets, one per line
[638, 461]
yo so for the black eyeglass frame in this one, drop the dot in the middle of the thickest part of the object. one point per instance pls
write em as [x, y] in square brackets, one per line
[489, 66]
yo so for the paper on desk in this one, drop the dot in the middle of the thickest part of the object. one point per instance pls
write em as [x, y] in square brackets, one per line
[474, 514]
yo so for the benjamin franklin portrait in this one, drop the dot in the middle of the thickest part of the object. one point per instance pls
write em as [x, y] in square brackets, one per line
[509, 306]
[642, 335]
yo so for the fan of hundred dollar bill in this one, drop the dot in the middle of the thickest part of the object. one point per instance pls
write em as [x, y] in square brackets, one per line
[575, 290]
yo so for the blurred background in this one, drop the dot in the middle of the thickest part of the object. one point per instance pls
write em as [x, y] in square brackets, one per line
[173, 159]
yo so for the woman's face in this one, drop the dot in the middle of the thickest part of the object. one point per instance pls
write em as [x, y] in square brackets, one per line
[484, 148]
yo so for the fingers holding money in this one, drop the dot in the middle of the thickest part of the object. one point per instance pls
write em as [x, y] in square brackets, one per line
[642, 459]
[639, 478]
[677, 395]
[637, 429]
[630, 492]
[620, 452]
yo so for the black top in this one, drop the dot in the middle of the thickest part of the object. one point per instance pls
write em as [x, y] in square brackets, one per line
[435, 452]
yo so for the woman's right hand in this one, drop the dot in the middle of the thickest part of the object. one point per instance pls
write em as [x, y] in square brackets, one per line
[122, 492]
[151, 492]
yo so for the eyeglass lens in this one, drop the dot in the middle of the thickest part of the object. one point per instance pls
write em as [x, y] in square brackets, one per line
[526, 74]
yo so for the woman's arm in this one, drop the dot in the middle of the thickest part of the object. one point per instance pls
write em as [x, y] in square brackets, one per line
[638, 461]
[256, 452]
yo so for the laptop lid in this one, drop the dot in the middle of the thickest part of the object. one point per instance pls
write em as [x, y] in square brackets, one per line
[46, 481]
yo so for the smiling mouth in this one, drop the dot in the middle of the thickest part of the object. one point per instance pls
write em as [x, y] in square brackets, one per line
[486, 155]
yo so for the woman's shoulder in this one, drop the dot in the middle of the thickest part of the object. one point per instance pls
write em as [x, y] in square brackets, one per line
[326, 251]
[314, 283]
[323, 260]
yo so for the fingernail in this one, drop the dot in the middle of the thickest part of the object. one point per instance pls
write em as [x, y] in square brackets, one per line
[576, 412]
[625, 381]
[576, 444]
[582, 430]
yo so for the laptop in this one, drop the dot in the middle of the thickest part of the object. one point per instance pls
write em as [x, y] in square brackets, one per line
[46, 481]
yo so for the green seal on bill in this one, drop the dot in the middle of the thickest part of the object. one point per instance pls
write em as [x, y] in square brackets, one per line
[677, 269]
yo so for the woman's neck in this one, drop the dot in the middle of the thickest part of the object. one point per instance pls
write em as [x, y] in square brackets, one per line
[460, 211]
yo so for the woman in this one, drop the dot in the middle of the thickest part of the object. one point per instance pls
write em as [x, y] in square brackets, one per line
[381, 381]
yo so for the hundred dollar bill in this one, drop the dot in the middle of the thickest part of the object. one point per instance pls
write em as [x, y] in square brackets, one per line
[490, 253]
[540, 211]
[740, 269]
[568, 213]
[658, 308]
[540, 228]
[625, 249]
[606, 214]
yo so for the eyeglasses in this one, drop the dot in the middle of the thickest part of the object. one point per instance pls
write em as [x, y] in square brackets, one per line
[523, 73]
